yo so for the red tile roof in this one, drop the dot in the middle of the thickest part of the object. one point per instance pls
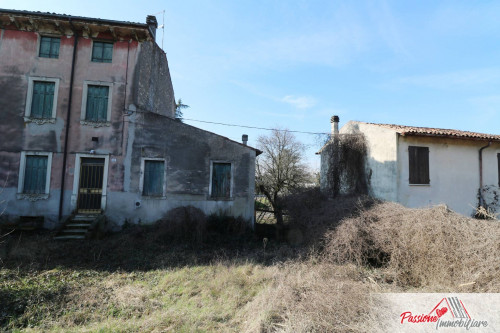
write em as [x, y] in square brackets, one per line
[438, 132]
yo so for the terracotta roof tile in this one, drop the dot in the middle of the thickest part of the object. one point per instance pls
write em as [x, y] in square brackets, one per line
[439, 132]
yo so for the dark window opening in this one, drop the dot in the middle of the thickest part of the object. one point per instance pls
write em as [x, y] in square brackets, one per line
[221, 180]
[419, 165]
[102, 52]
[43, 99]
[154, 172]
[97, 103]
[35, 174]
[49, 47]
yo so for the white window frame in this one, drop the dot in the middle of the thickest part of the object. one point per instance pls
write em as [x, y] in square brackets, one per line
[29, 99]
[83, 114]
[141, 180]
[231, 197]
[76, 179]
[22, 171]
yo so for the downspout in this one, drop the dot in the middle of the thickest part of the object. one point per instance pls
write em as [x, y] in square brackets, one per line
[68, 118]
[481, 199]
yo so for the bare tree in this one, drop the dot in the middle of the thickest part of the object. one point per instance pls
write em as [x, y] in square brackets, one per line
[280, 168]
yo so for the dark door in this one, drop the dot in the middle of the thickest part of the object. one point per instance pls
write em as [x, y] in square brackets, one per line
[90, 186]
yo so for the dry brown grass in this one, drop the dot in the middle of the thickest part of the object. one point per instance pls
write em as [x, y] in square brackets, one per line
[433, 248]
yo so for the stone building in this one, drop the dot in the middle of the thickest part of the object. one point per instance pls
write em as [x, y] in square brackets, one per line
[87, 127]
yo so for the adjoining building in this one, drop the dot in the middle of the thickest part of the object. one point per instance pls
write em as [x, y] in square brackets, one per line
[87, 127]
[420, 166]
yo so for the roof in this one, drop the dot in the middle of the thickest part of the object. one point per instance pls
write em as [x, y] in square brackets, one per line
[65, 16]
[438, 132]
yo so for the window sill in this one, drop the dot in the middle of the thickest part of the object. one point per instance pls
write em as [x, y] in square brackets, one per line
[419, 184]
[152, 197]
[95, 123]
[32, 197]
[40, 121]
[220, 199]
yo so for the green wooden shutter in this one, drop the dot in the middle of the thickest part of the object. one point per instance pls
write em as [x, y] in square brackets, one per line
[97, 103]
[43, 99]
[35, 174]
[153, 178]
[221, 180]
[49, 47]
[102, 52]
[107, 52]
[97, 52]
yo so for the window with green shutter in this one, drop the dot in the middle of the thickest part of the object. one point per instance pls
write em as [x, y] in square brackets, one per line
[97, 103]
[49, 47]
[42, 99]
[35, 174]
[154, 172]
[102, 52]
[419, 165]
[221, 180]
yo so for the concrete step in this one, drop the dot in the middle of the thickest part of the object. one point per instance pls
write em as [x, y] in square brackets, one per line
[78, 224]
[75, 230]
[69, 237]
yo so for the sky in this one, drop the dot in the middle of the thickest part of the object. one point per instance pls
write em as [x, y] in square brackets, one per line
[293, 64]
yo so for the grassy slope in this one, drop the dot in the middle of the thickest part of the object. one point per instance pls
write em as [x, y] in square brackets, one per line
[135, 281]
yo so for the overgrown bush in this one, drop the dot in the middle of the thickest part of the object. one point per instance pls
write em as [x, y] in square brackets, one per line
[186, 223]
[433, 248]
[226, 225]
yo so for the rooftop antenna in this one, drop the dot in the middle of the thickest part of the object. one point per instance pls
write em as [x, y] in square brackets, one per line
[162, 27]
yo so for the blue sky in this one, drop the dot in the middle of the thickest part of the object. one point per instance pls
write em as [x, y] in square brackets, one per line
[294, 64]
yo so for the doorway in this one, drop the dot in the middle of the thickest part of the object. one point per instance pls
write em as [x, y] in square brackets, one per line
[90, 187]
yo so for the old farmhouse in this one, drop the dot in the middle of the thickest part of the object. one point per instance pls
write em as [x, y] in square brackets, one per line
[420, 166]
[87, 127]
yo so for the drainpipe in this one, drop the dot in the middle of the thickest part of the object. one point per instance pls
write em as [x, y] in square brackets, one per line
[481, 200]
[68, 118]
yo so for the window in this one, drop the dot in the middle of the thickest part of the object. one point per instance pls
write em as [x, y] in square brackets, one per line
[34, 174]
[96, 103]
[102, 52]
[49, 47]
[498, 158]
[221, 180]
[419, 165]
[41, 100]
[153, 182]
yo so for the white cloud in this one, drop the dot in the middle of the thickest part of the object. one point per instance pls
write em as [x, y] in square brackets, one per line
[300, 102]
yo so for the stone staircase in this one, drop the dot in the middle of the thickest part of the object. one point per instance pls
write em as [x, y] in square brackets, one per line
[77, 226]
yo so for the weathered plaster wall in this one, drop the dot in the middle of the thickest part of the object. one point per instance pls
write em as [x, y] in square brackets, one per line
[188, 152]
[453, 171]
[381, 161]
[153, 90]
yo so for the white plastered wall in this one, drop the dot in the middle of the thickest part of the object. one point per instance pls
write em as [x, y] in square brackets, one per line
[453, 171]
[381, 164]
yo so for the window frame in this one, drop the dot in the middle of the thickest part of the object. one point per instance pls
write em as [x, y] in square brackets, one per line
[22, 171]
[422, 183]
[29, 100]
[231, 192]
[40, 45]
[142, 174]
[104, 42]
[498, 164]
[83, 113]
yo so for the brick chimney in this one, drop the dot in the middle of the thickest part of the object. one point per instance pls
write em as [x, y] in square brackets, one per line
[152, 25]
[335, 125]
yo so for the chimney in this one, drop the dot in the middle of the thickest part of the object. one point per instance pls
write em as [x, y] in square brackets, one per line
[335, 125]
[244, 139]
[152, 25]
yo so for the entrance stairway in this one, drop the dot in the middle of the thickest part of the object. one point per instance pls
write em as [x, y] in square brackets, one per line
[78, 226]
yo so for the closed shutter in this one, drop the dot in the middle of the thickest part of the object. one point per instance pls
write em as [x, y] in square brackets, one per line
[153, 178]
[102, 52]
[49, 47]
[221, 180]
[97, 103]
[418, 165]
[43, 99]
[35, 174]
